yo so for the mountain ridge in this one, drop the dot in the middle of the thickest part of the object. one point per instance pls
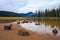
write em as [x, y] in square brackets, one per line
[12, 14]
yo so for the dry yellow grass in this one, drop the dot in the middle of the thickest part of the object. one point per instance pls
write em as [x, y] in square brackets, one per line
[12, 18]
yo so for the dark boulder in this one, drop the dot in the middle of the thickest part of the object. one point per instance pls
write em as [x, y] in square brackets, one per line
[25, 21]
[23, 33]
[7, 27]
[54, 31]
[37, 23]
[18, 21]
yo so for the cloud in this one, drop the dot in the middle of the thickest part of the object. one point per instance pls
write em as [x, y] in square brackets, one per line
[34, 5]
[12, 5]
[27, 5]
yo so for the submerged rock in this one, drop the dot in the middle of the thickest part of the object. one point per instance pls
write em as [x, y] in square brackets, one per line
[37, 23]
[52, 26]
[25, 21]
[23, 33]
[18, 22]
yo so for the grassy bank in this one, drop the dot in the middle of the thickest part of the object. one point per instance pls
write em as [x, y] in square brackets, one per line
[21, 18]
[11, 18]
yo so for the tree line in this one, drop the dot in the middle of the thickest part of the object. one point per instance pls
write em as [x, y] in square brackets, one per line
[49, 13]
[8, 14]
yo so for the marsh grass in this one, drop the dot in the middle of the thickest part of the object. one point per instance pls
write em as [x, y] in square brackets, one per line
[11, 18]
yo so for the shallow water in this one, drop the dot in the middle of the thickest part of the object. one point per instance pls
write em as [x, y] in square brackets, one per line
[44, 27]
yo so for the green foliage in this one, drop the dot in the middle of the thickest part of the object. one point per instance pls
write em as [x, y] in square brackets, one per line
[52, 13]
[49, 13]
[38, 14]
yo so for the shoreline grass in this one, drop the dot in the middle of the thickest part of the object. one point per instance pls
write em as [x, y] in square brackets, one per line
[11, 18]
[22, 18]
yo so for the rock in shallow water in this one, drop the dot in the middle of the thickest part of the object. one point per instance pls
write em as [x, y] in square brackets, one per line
[23, 33]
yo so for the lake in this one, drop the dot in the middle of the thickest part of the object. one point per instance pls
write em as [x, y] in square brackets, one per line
[45, 27]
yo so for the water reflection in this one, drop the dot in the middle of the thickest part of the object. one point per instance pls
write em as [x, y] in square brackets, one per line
[45, 27]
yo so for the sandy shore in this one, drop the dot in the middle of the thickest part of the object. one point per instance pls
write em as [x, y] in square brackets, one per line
[13, 34]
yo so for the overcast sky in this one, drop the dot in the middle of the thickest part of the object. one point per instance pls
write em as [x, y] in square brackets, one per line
[21, 6]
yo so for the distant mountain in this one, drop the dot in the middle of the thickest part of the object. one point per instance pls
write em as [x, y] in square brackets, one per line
[12, 14]
[22, 14]
[29, 14]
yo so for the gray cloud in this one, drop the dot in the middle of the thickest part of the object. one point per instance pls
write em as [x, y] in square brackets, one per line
[12, 5]
[27, 5]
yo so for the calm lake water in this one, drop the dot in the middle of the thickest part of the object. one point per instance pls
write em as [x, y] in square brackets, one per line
[45, 27]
